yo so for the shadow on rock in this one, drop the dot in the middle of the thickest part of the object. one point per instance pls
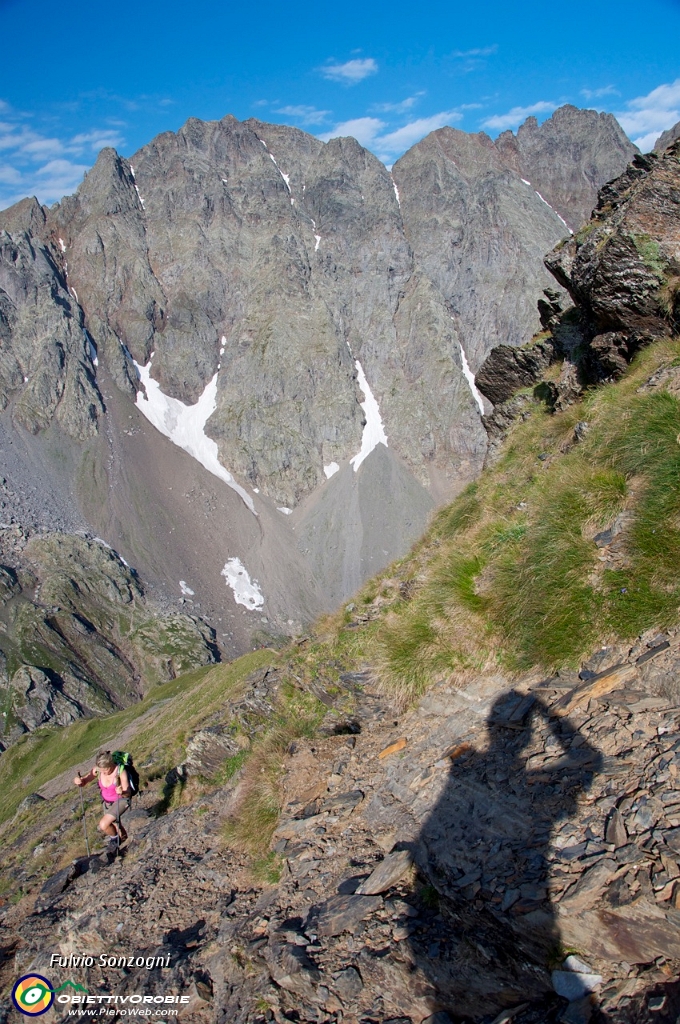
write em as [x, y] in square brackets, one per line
[492, 932]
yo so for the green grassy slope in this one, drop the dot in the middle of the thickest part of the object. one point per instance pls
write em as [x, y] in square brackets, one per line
[510, 571]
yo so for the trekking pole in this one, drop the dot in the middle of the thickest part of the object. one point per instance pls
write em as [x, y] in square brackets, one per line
[82, 807]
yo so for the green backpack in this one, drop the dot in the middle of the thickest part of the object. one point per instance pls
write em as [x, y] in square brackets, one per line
[122, 759]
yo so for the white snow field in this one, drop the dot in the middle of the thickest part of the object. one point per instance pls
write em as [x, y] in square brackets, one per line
[246, 591]
[184, 424]
[374, 432]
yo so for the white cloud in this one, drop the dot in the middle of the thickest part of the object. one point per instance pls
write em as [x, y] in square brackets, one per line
[41, 148]
[45, 166]
[9, 175]
[480, 51]
[363, 129]
[14, 136]
[370, 132]
[305, 114]
[646, 117]
[515, 116]
[352, 71]
[398, 108]
[395, 143]
[98, 139]
[596, 94]
[59, 177]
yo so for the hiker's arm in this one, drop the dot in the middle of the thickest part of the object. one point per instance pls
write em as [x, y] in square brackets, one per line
[123, 783]
[565, 733]
[82, 780]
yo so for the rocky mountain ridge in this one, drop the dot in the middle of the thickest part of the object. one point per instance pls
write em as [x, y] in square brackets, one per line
[275, 306]
[80, 638]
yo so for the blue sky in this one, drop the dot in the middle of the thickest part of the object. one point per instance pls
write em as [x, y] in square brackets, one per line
[88, 74]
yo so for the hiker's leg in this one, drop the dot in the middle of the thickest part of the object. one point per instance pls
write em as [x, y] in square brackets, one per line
[118, 810]
[107, 826]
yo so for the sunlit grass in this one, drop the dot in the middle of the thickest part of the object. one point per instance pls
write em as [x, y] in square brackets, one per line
[512, 570]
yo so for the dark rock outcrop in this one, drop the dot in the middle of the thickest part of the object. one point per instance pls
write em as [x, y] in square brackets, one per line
[506, 369]
[623, 268]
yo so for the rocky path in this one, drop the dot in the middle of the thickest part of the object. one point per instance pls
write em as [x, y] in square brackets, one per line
[437, 866]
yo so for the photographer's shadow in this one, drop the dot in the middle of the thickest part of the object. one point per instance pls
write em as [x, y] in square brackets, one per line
[485, 848]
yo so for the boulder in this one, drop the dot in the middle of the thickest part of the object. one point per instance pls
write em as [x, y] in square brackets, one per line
[208, 749]
[387, 873]
[341, 914]
[506, 369]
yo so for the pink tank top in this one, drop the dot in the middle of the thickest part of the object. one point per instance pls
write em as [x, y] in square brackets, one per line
[108, 792]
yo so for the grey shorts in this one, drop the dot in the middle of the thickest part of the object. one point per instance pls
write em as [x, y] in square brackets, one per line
[118, 807]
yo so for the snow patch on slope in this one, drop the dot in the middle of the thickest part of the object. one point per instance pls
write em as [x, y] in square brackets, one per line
[396, 192]
[100, 540]
[554, 211]
[374, 431]
[470, 378]
[186, 590]
[184, 425]
[246, 591]
[132, 172]
[286, 177]
[548, 205]
[331, 469]
[91, 349]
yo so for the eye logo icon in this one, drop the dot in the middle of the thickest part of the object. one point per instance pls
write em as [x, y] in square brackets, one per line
[32, 995]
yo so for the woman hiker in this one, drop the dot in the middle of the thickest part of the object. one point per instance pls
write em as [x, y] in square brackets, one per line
[115, 789]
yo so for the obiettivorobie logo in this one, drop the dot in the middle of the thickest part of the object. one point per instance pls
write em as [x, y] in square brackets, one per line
[33, 995]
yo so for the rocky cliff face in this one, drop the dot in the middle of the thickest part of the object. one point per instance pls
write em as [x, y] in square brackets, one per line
[478, 213]
[568, 157]
[46, 369]
[276, 306]
[258, 253]
[666, 138]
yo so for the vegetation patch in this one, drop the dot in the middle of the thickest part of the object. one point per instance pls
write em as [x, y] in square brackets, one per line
[258, 806]
[511, 572]
[650, 254]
